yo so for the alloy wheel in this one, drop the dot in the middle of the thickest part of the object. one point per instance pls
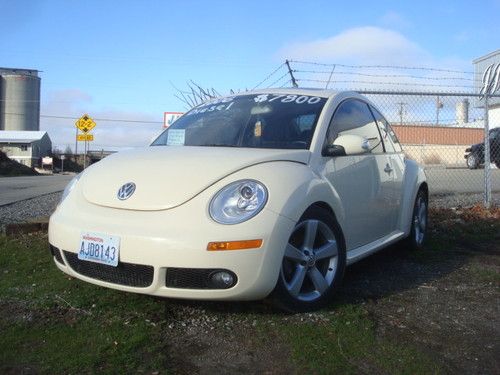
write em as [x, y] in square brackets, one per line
[420, 220]
[310, 261]
[471, 161]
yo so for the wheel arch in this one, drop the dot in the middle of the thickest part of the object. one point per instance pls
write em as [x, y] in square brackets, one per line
[327, 207]
[414, 180]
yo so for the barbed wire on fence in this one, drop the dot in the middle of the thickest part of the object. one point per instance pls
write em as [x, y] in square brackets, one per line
[310, 73]
[382, 75]
[269, 75]
[401, 67]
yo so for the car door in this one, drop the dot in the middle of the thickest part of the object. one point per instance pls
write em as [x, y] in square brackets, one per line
[395, 156]
[363, 182]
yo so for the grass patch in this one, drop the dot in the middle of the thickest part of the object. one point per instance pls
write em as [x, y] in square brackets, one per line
[469, 227]
[56, 324]
[89, 345]
[486, 275]
[347, 344]
[470, 224]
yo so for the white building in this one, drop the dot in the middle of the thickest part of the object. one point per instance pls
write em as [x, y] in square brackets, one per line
[487, 81]
[26, 147]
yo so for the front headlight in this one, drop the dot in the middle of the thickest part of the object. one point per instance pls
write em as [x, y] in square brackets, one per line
[70, 187]
[238, 202]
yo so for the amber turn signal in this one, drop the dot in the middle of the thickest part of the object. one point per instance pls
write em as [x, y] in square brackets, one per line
[234, 245]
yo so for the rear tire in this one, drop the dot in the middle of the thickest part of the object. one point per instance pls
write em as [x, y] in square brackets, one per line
[313, 263]
[419, 222]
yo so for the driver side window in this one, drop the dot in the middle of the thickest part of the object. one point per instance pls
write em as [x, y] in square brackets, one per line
[354, 117]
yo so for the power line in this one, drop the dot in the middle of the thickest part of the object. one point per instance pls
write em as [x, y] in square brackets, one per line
[95, 118]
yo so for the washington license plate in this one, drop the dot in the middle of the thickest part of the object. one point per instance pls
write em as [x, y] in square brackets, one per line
[99, 248]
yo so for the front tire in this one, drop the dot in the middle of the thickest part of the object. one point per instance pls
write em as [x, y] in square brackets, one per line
[313, 263]
[472, 161]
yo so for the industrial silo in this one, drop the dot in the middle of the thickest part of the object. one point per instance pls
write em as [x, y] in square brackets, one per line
[19, 99]
[462, 112]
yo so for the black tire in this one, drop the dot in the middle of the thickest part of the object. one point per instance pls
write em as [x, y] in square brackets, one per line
[497, 163]
[472, 161]
[317, 264]
[419, 222]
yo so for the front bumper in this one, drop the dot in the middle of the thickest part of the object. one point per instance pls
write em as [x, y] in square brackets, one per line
[175, 238]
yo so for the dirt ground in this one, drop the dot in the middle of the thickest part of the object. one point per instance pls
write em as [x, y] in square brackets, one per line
[441, 303]
[443, 300]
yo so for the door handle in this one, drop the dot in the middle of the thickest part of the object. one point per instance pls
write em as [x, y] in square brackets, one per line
[387, 168]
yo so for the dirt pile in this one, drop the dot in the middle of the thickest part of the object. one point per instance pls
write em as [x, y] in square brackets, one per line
[10, 167]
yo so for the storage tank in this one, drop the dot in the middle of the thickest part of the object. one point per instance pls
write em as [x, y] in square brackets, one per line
[462, 112]
[19, 99]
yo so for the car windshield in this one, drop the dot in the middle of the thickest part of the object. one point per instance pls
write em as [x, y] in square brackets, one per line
[257, 121]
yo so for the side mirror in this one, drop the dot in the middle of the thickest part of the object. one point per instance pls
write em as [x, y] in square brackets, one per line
[348, 144]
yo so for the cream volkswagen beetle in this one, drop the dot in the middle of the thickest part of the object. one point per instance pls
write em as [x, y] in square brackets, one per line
[261, 194]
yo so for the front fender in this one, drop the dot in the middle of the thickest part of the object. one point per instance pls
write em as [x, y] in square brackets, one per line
[293, 187]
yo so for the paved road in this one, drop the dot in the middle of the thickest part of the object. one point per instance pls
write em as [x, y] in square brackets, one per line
[13, 189]
[441, 181]
[446, 181]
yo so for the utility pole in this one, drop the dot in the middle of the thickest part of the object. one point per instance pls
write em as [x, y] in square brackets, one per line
[290, 71]
[401, 111]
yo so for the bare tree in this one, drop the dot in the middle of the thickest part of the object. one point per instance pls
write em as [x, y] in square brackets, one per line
[195, 94]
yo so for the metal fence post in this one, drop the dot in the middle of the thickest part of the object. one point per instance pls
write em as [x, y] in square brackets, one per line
[487, 161]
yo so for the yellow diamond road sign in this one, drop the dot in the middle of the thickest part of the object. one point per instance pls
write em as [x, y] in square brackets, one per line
[85, 137]
[85, 123]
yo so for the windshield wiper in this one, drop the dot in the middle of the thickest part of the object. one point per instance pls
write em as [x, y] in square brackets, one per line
[219, 145]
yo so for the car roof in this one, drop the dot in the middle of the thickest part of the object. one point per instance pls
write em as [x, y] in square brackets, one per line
[295, 91]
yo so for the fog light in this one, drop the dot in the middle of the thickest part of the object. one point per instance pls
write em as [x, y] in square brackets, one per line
[222, 279]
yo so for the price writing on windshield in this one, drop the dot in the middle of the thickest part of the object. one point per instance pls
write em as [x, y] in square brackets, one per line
[299, 99]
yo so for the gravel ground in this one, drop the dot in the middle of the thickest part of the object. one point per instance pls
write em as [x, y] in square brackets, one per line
[30, 209]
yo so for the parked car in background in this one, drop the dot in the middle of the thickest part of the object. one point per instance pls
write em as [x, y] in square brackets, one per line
[474, 155]
[262, 194]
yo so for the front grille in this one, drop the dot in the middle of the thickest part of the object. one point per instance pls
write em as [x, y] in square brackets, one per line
[56, 253]
[194, 278]
[128, 274]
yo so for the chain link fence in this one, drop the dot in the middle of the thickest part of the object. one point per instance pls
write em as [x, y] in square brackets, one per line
[454, 136]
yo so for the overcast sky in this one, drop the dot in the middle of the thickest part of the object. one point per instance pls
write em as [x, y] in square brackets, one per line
[122, 59]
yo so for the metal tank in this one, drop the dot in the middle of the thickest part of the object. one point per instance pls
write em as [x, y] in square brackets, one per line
[462, 112]
[19, 99]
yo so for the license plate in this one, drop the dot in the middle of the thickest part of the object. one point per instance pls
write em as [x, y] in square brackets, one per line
[99, 248]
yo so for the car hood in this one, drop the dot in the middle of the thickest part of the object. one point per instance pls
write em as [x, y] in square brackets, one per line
[477, 147]
[168, 176]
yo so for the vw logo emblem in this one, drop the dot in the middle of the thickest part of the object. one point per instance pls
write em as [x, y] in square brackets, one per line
[126, 191]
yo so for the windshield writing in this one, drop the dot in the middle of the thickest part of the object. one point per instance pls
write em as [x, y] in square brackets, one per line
[257, 121]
